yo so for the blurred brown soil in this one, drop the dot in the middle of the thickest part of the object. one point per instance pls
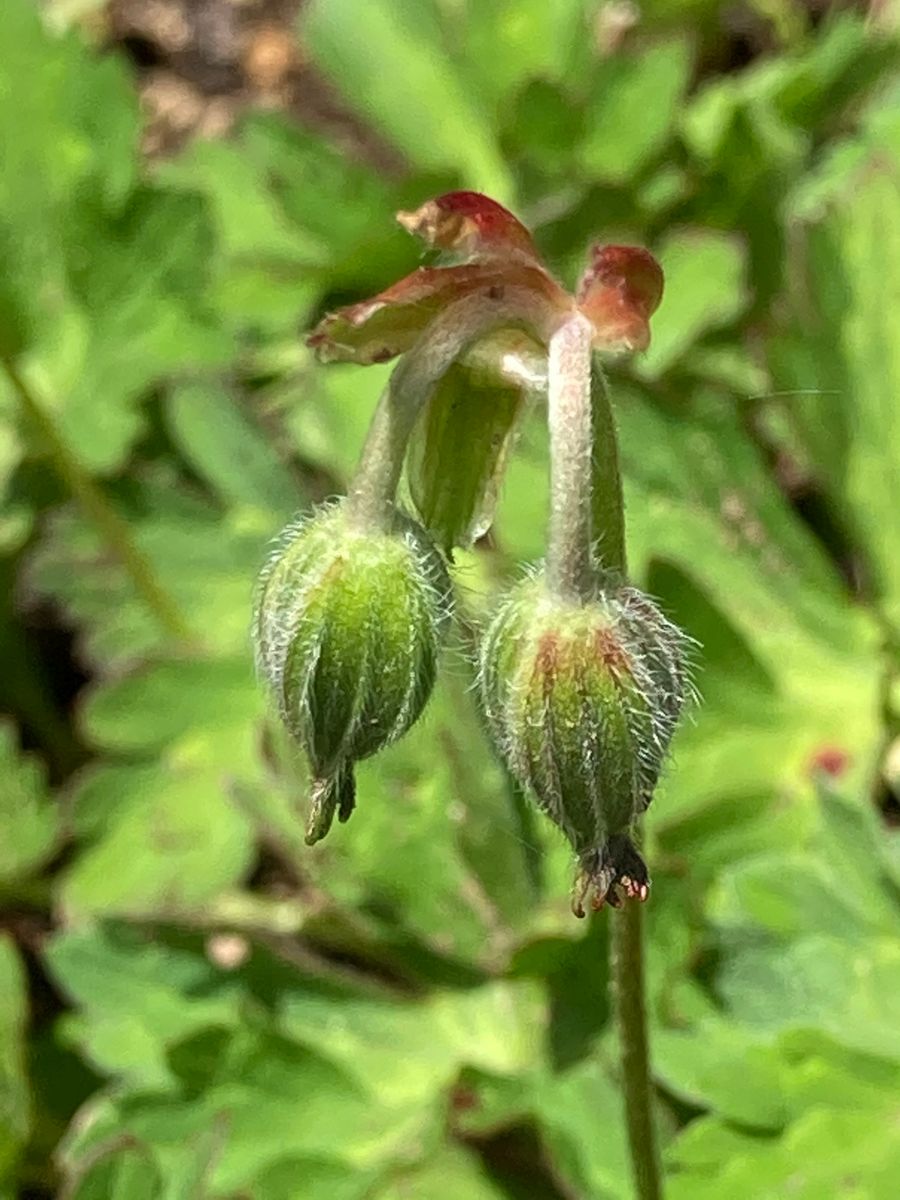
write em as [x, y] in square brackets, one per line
[200, 64]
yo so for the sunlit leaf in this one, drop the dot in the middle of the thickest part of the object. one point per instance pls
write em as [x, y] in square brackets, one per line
[388, 59]
[632, 108]
[28, 818]
[15, 1104]
[840, 365]
[705, 290]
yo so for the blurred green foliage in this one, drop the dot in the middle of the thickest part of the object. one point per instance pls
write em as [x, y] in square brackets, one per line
[193, 1005]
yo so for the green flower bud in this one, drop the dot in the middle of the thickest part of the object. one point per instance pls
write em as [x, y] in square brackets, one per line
[581, 702]
[348, 626]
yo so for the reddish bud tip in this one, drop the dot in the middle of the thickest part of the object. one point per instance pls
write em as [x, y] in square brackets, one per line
[619, 292]
[469, 224]
[610, 876]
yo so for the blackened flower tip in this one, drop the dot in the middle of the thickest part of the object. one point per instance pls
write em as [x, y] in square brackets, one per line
[581, 703]
[610, 876]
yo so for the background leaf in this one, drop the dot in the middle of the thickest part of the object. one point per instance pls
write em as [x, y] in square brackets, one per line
[14, 1098]
[194, 1005]
[28, 819]
[389, 64]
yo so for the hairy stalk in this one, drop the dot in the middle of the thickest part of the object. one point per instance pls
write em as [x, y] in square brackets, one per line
[374, 486]
[112, 528]
[627, 937]
[570, 570]
[586, 503]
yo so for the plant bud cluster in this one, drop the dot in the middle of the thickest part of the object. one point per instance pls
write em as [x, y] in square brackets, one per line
[582, 678]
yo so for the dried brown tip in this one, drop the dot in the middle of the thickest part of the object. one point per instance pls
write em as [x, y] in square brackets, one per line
[610, 876]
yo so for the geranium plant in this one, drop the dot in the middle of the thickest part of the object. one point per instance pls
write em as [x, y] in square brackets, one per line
[582, 679]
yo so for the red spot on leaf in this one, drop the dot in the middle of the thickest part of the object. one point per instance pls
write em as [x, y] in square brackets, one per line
[464, 1099]
[829, 760]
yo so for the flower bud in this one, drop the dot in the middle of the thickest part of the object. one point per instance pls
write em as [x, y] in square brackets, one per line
[348, 627]
[581, 702]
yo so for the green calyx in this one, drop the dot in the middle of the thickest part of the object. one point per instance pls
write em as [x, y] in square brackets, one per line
[581, 702]
[348, 628]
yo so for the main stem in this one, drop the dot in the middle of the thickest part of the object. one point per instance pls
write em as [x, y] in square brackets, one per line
[631, 1013]
[112, 528]
[570, 566]
[371, 494]
[586, 505]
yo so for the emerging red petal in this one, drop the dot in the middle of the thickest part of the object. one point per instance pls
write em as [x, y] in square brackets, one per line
[378, 329]
[618, 293]
[471, 225]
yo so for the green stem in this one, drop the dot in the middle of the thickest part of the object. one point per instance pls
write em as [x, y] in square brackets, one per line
[95, 506]
[586, 503]
[374, 486]
[606, 488]
[631, 1015]
[627, 949]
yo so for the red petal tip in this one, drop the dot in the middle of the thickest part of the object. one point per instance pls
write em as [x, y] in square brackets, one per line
[619, 292]
[470, 224]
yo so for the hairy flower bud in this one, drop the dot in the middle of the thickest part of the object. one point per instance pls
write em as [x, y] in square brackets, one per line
[348, 627]
[582, 702]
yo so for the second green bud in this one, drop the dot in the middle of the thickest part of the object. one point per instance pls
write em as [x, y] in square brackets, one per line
[348, 627]
[581, 701]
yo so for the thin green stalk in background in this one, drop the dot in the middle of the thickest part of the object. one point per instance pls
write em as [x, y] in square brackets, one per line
[110, 525]
[608, 505]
